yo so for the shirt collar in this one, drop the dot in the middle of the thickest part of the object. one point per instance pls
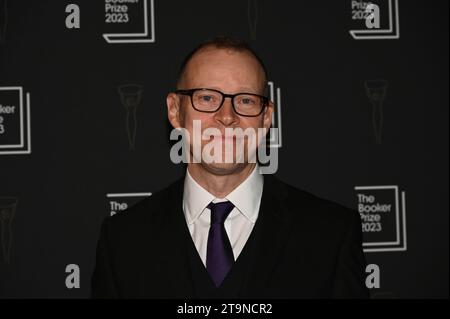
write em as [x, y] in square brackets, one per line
[246, 197]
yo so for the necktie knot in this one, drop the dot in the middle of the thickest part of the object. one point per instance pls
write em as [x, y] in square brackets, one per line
[220, 211]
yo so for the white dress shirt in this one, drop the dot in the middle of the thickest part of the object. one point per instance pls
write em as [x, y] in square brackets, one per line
[246, 199]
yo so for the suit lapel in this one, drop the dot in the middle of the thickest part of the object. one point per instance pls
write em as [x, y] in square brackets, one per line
[271, 232]
[177, 236]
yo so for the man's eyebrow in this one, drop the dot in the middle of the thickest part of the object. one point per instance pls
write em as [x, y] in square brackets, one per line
[241, 89]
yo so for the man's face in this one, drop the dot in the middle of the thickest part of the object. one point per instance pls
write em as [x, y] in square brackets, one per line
[230, 72]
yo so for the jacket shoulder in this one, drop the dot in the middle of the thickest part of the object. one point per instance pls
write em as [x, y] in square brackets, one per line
[148, 212]
[303, 205]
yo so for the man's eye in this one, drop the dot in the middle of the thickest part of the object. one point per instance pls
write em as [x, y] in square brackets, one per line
[206, 98]
[248, 101]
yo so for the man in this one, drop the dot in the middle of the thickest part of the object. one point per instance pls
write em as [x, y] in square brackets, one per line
[225, 230]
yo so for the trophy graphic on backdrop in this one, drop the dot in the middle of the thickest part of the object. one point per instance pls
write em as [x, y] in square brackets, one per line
[376, 92]
[131, 96]
[252, 15]
[7, 211]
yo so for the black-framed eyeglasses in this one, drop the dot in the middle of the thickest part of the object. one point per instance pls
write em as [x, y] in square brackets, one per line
[210, 101]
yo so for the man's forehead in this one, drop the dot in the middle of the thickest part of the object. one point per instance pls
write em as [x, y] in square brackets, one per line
[211, 53]
[211, 62]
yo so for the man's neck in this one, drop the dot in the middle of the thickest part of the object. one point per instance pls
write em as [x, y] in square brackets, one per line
[219, 185]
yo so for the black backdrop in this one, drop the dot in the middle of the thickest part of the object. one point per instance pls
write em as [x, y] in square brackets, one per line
[76, 165]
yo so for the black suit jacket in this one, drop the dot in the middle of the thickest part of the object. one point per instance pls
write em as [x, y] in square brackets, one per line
[304, 247]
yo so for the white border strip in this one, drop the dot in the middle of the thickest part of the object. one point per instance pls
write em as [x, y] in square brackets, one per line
[112, 195]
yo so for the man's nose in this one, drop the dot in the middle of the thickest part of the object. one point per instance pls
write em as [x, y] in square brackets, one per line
[226, 114]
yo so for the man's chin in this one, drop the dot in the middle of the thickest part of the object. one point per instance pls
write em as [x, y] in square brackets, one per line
[223, 168]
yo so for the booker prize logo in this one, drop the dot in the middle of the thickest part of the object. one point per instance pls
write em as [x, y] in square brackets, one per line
[375, 20]
[15, 121]
[118, 202]
[383, 217]
[129, 21]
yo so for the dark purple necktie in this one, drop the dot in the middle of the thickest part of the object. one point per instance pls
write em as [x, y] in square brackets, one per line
[219, 255]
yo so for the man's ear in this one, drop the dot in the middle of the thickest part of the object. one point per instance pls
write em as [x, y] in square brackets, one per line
[267, 119]
[174, 110]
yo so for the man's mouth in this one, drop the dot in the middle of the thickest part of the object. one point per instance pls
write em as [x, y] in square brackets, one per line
[224, 138]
